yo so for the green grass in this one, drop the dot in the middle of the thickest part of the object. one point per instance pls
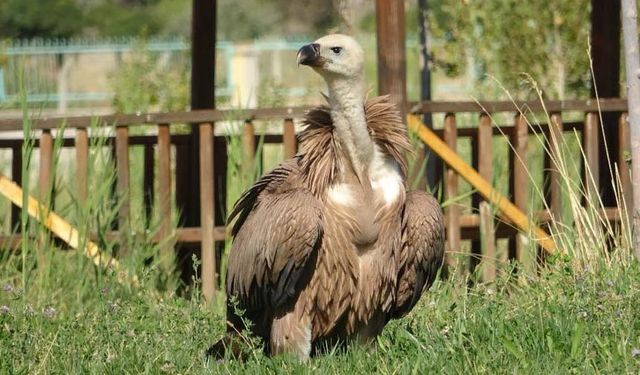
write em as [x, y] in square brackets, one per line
[61, 314]
[564, 321]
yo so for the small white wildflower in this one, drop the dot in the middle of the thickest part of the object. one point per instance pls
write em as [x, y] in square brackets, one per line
[29, 311]
[49, 312]
[635, 352]
[112, 307]
[167, 367]
[4, 310]
[445, 330]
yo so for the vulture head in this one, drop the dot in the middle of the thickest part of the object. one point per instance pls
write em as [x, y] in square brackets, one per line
[334, 56]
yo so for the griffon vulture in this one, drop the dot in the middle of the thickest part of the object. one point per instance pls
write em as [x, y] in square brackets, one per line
[329, 246]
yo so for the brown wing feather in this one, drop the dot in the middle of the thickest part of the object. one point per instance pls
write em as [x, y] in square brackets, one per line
[276, 180]
[422, 249]
[269, 256]
[278, 224]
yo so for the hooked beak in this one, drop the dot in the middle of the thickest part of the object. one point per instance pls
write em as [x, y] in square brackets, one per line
[310, 55]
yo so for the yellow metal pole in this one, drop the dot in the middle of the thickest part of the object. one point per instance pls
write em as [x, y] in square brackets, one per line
[58, 226]
[508, 209]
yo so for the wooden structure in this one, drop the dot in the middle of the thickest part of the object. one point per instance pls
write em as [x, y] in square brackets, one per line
[201, 158]
[474, 225]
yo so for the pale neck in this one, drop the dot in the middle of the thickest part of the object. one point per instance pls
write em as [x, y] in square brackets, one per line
[346, 98]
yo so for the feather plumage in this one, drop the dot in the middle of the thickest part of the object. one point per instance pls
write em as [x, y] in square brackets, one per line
[293, 259]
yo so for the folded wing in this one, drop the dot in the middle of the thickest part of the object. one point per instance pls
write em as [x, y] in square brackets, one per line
[273, 248]
[422, 249]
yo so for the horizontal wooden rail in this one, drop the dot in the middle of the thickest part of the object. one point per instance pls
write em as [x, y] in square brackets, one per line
[185, 117]
[483, 227]
[589, 105]
[208, 116]
[468, 223]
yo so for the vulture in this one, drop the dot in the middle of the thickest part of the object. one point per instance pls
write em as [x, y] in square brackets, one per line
[329, 246]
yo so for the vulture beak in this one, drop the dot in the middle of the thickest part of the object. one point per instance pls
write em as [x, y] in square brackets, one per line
[310, 55]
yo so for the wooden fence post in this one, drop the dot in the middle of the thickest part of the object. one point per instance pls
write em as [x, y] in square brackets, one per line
[82, 164]
[207, 213]
[591, 170]
[519, 179]
[248, 148]
[164, 193]
[487, 249]
[122, 176]
[392, 69]
[46, 159]
[289, 138]
[147, 182]
[554, 155]
[452, 211]
[16, 175]
[45, 189]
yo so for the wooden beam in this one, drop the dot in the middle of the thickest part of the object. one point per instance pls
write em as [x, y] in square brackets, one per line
[164, 202]
[589, 105]
[200, 205]
[519, 180]
[591, 169]
[605, 55]
[554, 155]
[147, 182]
[289, 138]
[485, 248]
[207, 212]
[248, 148]
[123, 186]
[82, 164]
[452, 211]
[45, 178]
[508, 209]
[392, 64]
[61, 228]
[605, 47]
[16, 175]
[195, 117]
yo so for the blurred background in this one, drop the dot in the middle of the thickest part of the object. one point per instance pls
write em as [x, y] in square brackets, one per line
[100, 56]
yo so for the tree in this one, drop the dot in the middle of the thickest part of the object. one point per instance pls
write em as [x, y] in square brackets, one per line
[504, 38]
[40, 18]
[252, 19]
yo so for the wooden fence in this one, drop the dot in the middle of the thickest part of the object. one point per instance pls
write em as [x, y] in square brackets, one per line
[469, 226]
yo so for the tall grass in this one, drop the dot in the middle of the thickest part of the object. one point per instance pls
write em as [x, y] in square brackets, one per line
[578, 314]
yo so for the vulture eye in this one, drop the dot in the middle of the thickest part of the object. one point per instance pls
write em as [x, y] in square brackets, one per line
[336, 50]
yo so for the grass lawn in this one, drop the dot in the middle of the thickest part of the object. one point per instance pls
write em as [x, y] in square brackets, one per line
[74, 320]
[60, 314]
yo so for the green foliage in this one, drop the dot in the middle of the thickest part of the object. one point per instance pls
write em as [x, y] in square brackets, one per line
[241, 20]
[505, 38]
[126, 18]
[237, 20]
[73, 18]
[144, 82]
[40, 18]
